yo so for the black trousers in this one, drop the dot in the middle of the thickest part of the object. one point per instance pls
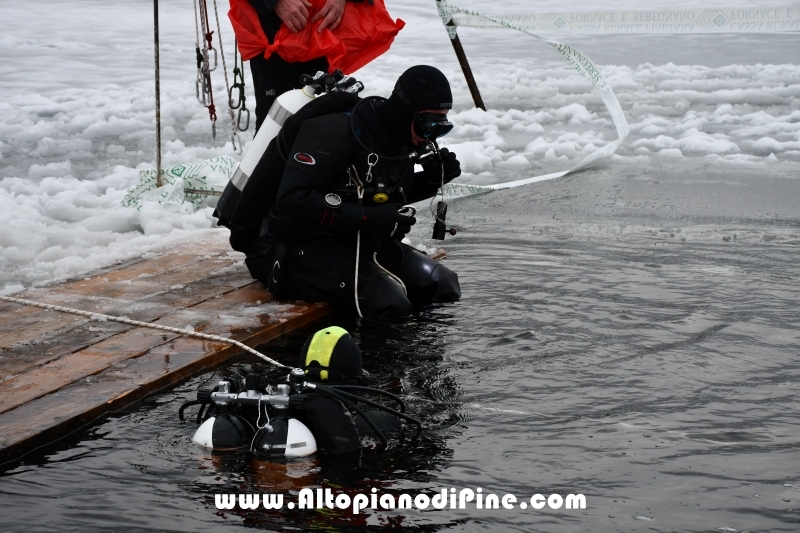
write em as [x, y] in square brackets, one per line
[274, 76]
[323, 270]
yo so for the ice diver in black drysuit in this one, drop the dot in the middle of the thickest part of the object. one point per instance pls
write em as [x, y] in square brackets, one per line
[331, 397]
[304, 246]
[332, 357]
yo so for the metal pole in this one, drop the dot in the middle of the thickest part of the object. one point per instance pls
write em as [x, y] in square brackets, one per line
[462, 59]
[158, 97]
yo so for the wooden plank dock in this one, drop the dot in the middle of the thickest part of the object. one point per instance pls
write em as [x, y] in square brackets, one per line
[60, 372]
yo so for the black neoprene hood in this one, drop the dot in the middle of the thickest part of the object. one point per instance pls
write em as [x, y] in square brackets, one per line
[425, 87]
[331, 354]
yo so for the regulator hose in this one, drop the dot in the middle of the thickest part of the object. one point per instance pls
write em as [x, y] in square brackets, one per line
[372, 390]
[337, 395]
[410, 155]
[188, 404]
[396, 413]
[199, 418]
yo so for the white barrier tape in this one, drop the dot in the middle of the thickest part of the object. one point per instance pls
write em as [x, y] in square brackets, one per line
[716, 20]
[458, 190]
[585, 67]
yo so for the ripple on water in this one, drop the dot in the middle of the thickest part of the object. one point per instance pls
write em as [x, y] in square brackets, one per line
[645, 373]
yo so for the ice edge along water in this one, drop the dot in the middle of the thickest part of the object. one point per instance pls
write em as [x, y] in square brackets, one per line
[76, 132]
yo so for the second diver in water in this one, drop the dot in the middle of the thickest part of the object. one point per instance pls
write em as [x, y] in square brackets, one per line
[324, 405]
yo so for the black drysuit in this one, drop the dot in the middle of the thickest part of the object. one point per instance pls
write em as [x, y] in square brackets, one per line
[334, 427]
[315, 240]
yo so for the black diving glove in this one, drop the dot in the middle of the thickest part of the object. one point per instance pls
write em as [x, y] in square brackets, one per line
[452, 167]
[386, 221]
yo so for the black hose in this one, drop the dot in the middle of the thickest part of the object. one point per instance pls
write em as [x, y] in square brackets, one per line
[379, 406]
[358, 139]
[356, 408]
[199, 418]
[379, 392]
[185, 405]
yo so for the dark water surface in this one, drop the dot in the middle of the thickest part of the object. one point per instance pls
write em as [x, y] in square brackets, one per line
[629, 336]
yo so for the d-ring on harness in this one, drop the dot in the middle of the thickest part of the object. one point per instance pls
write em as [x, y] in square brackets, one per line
[371, 163]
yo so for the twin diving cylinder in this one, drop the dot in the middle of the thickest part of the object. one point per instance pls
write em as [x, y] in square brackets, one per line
[279, 436]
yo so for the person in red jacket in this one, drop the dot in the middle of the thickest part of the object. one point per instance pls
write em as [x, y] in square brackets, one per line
[284, 39]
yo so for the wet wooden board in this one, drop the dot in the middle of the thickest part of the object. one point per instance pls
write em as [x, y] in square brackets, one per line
[107, 292]
[59, 372]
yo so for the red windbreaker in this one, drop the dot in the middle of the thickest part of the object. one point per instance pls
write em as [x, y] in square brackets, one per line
[365, 32]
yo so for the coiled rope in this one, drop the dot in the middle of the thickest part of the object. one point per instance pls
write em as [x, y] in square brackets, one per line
[124, 320]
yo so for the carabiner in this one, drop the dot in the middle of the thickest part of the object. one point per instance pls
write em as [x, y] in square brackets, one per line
[239, 100]
[238, 79]
[215, 60]
[371, 163]
[239, 118]
[201, 88]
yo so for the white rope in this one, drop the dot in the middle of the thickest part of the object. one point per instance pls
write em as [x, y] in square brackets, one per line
[354, 178]
[196, 25]
[258, 420]
[234, 128]
[124, 320]
[200, 82]
[398, 280]
[473, 405]
[355, 286]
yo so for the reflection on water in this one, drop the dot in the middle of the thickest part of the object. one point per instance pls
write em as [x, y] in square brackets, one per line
[629, 353]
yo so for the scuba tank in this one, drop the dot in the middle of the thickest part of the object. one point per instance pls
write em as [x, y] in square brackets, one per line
[244, 415]
[224, 432]
[229, 428]
[285, 106]
[284, 437]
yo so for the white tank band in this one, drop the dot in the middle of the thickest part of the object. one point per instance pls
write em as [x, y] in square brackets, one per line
[239, 178]
[278, 113]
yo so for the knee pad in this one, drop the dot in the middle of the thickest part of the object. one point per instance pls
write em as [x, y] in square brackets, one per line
[447, 287]
[426, 280]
